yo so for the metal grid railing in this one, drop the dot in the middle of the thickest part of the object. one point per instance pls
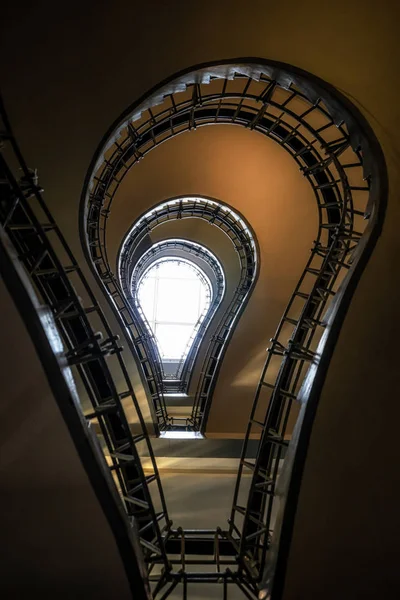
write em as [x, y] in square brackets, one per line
[242, 238]
[328, 149]
[214, 564]
[287, 116]
[90, 347]
[276, 395]
[189, 249]
[145, 353]
[274, 103]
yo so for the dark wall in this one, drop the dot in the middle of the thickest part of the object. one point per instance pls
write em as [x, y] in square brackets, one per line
[56, 542]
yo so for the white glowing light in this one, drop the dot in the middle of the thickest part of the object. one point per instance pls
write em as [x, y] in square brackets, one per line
[174, 295]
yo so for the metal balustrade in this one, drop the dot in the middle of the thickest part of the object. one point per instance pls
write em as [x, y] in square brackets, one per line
[340, 157]
[175, 248]
[243, 240]
[233, 94]
[93, 354]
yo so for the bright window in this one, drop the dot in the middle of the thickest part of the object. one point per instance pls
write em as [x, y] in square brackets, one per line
[174, 296]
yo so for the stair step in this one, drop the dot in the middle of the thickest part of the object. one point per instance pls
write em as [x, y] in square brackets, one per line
[102, 409]
[136, 502]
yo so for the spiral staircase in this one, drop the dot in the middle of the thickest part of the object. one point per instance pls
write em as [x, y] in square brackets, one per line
[340, 158]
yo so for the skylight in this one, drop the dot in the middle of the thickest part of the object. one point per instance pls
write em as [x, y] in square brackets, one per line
[174, 296]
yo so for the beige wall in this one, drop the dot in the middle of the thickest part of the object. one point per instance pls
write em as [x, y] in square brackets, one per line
[65, 81]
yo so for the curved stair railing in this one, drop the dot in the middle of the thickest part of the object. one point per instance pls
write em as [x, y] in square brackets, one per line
[339, 155]
[95, 356]
[244, 242]
[341, 159]
[41, 327]
[266, 97]
[184, 248]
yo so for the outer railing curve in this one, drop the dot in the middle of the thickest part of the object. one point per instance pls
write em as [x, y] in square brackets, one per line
[244, 241]
[339, 155]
